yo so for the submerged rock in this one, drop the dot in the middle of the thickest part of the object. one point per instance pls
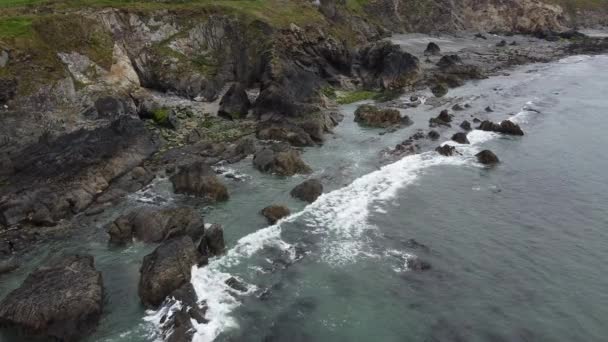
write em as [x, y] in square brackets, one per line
[416, 264]
[166, 269]
[460, 138]
[379, 117]
[212, 244]
[199, 179]
[275, 212]
[154, 225]
[487, 157]
[505, 127]
[308, 190]
[284, 131]
[235, 103]
[61, 300]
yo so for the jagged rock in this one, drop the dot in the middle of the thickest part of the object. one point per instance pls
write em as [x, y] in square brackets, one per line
[433, 135]
[479, 35]
[460, 138]
[376, 117]
[443, 118]
[177, 326]
[235, 103]
[383, 64]
[476, 120]
[489, 109]
[156, 225]
[275, 212]
[487, 157]
[432, 49]
[439, 90]
[61, 300]
[212, 243]
[110, 107]
[281, 161]
[199, 179]
[466, 125]
[308, 190]
[505, 127]
[284, 131]
[446, 150]
[166, 269]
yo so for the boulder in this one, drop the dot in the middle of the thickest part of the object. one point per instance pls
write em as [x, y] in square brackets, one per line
[61, 300]
[446, 150]
[449, 61]
[487, 157]
[275, 212]
[379, 117]
[432, 49]
[177, 326]
[444, 119]
[433, 135]
[460, 138]
[308, 190]
[466, 125]
[279, 160]
[199, 179]
[212, 243]
[502, 43]
[235, 103]
[384, 64]
[166, 269]
[284, 131]
[439, 90]
[505, 127]
[156, 225]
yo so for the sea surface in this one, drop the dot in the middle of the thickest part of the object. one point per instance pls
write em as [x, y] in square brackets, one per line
[518, 251]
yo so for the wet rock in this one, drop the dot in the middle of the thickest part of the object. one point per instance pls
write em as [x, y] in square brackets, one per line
[448, 61]
[199, 179]
[433, 135]
[476, 120]
[443, 118]
[446, 150]
[505, 127]
[487, 157]
[457, 107]
[212, 244]
[8, 89]
[155, 225]
[439, 90]
[466, 125]
[379, 117]
[416, 264]
[308, 190]
[489, 109]
[384, 64]
[166, 269]
[481, 36]
[235, 103]
[432, 49]
[61, 300]
[177, 326]
[572, 34]
[460, 138]
[235, 284]
[7, 266]
[284, 131]
[502, 43]
[275, 212]
[279, 160]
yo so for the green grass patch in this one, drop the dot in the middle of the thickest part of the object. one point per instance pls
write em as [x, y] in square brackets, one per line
[160, 116]
[15, 27]
[354, 96]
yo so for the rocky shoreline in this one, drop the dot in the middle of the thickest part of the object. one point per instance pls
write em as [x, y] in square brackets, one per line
[152, 114]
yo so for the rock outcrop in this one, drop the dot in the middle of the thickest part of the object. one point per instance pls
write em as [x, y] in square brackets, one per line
[280, 160]
[274, 213]
[308, 190]
[505, 127]
[61, 300]
[235, 103]
[199, 179]
[487, 157]
[385, 65]
[380, 117]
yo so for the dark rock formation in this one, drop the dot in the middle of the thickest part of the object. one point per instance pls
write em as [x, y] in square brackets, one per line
[466, 125]
[308, 190]
[449, 61]
[275, 212]
[199, 179]
[55, 179]
[212, 243]
[177, 326]
[156, 225]
[433, 135]
[432, 49]
[487, 157]
[61, 300]
[284, 131]
[377, 117]
[166, 269]
[439, 90]
[444, 118]
[446, 150]
[505, 127]
[280, 160]
[235, 103]
[416, 264]
[502, 43]
[383, 64]
[460, 138]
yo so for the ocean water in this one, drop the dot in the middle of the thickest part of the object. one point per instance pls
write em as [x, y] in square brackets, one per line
[517, 250]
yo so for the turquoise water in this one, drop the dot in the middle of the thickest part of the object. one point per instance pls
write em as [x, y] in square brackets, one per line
[517, 251]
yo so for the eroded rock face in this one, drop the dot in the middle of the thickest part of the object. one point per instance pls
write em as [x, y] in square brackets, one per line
[199, 179]
[166, 269]
[280, 160]
[380, 117]
[308, 190]
[57, 178]
[505, 127]
[383, 64]
[156, 225]
[61, 300]
[235, 103]
[275, 212]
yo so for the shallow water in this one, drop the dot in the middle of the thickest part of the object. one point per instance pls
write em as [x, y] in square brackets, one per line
[517, 250]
